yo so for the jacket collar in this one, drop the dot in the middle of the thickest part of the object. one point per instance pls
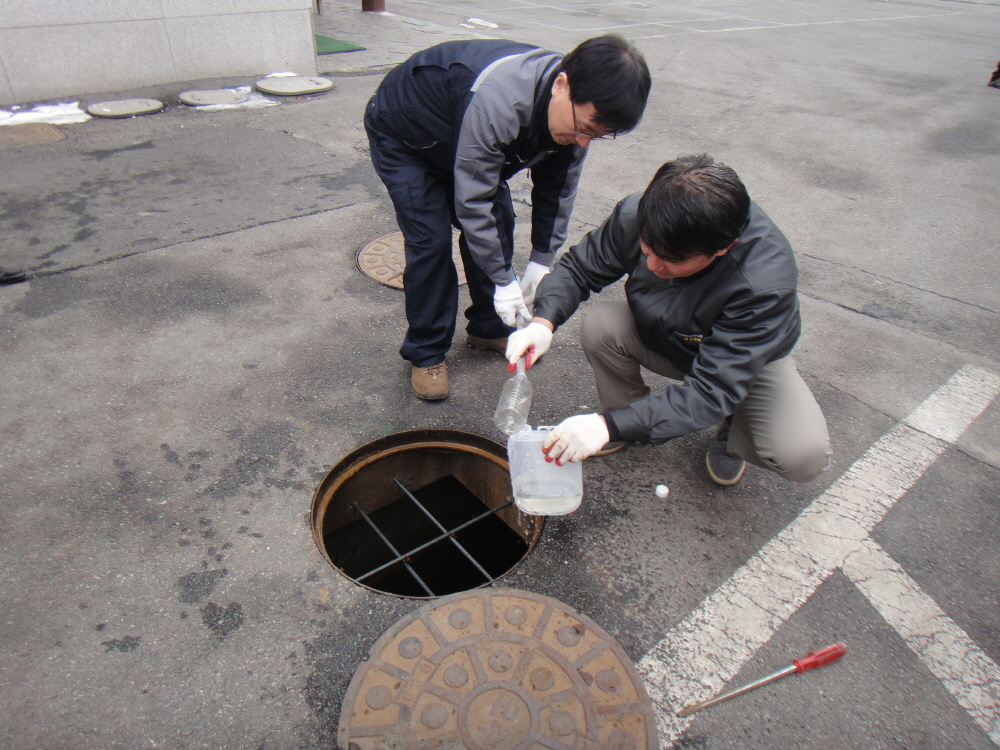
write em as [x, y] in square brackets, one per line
[538, 131]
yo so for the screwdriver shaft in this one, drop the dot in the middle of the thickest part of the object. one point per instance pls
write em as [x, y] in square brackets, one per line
[811, 660]
[732, 694]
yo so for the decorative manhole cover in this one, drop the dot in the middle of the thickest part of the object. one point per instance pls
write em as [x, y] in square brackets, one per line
[497, 669]
[384, 260]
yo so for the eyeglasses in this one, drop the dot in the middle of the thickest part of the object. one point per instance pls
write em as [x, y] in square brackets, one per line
[592, 136]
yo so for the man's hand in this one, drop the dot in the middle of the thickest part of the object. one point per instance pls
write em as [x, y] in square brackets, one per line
[533, 273]
[509, 303]
[533, 340]
[576, 438]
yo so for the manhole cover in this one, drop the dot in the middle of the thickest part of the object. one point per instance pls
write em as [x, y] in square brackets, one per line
[423, 513]
[212, 96]
[384, 260]
[496, 670]
[29, 134]
[294, 85]
[125, 108]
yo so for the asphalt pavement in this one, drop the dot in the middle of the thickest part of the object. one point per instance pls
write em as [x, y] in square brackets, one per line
[195, 347]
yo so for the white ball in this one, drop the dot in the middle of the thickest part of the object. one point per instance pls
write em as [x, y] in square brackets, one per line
[662, 490]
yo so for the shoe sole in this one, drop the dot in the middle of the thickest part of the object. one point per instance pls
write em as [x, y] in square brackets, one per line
[484, 347]
[431, 396]
[609, 451]
[723, 482]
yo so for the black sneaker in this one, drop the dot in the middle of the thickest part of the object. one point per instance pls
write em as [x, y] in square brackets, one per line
[725, 469]
[11, 277]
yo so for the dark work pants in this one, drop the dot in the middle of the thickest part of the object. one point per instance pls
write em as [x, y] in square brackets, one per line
[424, 199]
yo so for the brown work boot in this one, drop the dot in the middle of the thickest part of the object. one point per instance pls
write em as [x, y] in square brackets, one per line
[497, 345]
[430, 383]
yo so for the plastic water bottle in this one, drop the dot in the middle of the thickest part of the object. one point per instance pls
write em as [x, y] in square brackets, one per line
[515, 402]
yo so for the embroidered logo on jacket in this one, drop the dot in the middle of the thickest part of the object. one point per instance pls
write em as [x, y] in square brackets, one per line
[689, 338]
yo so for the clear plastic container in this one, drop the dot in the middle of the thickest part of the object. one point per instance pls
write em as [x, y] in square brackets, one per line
[514, 403]
[542, 488]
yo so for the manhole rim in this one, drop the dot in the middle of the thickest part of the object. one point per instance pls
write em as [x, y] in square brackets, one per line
[399, 442]
[357, 679]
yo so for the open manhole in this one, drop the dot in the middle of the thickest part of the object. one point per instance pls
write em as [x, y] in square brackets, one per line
[497, 669]
[423, 514]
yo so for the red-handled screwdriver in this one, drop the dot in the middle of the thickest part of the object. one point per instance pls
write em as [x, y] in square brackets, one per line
[810, 661]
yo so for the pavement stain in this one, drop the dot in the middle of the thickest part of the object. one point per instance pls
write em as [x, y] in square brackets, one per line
[222, 620]
[20, 211]
[172, 296]
[690, 743]
[102, 154]
[358, 174]
[49, 295]
[169, 455]
[261, 451]
[839, 178]
[968, 140]
[124, 644]
[46, 257]
[196, 586]
[82, 234]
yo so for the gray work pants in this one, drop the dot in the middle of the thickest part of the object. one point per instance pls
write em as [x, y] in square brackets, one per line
[778, 427]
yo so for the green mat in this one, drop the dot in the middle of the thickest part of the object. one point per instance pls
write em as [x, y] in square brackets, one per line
[327, 46]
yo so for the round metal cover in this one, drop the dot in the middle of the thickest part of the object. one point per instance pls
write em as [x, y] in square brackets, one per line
[497, 669]
[384, 260]
[294, 85]
[29, 134]
[125, 108]
[212, 96]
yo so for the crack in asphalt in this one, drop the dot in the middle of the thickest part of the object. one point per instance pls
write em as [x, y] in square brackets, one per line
[888, 279]
[104, 261]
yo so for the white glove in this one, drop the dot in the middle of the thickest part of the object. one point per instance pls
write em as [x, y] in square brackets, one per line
[576, 438]
[509, 303]
[533, 273]
[533, 340]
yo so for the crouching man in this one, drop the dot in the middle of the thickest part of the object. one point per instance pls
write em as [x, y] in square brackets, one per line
[711, 302]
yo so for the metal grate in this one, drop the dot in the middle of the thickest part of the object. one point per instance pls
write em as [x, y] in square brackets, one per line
[446, 535]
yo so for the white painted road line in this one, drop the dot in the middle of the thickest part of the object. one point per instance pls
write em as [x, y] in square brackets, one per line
[944, 648]
[704, 651]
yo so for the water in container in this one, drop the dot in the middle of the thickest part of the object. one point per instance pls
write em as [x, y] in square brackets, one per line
[542, 488]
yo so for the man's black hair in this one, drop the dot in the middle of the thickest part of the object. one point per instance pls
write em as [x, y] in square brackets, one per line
[611, 74]
[692, 207]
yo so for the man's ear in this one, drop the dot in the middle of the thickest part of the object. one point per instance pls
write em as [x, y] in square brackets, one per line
[726, 249]
[561, 84]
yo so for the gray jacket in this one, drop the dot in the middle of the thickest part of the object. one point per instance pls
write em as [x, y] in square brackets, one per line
[719, 327]
[478, 111]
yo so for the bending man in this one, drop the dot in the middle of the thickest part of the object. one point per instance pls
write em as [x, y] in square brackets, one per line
[711, 302]
[447, 129]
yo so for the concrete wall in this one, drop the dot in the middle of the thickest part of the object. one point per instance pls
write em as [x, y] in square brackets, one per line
[64, 48]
